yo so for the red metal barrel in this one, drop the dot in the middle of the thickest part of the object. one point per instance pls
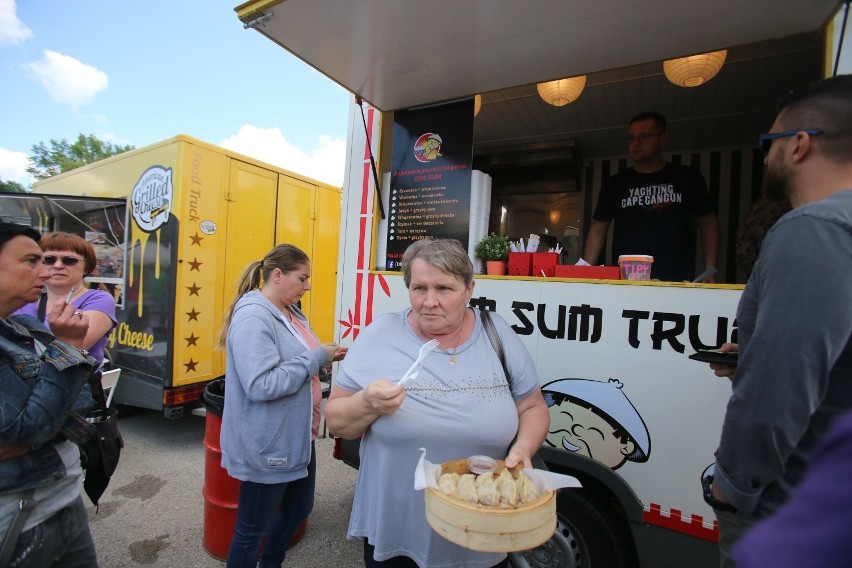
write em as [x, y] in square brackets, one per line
[221, 494]
[221, 491]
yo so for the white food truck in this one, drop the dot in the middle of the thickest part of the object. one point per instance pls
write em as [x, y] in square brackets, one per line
[618, 347]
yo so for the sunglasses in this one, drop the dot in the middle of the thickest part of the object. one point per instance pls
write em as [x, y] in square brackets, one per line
[50, 260]
[765, 140]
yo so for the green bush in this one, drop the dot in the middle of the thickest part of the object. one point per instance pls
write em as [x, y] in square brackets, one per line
[492, 247]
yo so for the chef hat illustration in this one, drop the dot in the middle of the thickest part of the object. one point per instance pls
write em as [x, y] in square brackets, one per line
[609, 400]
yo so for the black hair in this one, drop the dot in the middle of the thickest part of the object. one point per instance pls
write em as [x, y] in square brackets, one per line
[659, 119]
[9, 231]
[825, 105]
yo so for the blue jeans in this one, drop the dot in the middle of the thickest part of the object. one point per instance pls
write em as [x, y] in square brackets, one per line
[61, 541]
[271, 510]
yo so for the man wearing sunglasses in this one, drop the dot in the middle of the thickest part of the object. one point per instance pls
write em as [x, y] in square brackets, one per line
[653, 205]
[793, 375]
[43, 521]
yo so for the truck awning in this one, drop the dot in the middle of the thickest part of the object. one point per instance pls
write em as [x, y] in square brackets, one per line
[38, 210]
[401, 54]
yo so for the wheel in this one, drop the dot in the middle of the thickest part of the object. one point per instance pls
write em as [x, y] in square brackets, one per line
[586, 536]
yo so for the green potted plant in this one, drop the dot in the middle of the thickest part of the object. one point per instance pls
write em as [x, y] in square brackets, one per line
[493, 249]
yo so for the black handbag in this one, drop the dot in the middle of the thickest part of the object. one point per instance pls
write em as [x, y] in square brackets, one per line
[100, 453]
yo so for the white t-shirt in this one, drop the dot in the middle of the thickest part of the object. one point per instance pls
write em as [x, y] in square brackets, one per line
[453, 411]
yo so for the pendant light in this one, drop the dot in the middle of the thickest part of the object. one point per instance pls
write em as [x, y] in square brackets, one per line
[562, 91]
[694, 70]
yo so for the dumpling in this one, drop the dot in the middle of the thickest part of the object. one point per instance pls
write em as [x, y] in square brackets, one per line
[487, 490]
[506, 474]
[507, 488]
[483, 478]
[448, 483]
[466, 489]
[527, 491]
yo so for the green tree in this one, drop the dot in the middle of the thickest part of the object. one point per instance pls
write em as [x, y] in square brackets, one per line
[63, 156]
[11, 187]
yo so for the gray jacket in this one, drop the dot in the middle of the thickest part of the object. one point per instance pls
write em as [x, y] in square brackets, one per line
[266, 422]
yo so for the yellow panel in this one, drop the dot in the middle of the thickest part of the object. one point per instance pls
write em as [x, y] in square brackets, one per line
[295, 222]
[295, 212]
[251, 222]
[247, 227]
[324, 261]
[200, 212]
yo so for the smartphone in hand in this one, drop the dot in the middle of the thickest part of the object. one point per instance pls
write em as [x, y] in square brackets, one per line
[716, 356]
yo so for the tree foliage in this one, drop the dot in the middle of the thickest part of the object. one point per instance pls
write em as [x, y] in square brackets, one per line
[10, 186]
[62, 156]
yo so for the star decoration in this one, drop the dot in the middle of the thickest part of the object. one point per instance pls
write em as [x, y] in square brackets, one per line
[193, 315]
[196, 239]
[195, 265]
[192, 340]
[190, 366]
[193, 290]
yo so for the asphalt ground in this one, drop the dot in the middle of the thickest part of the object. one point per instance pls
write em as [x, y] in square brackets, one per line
[152, 513]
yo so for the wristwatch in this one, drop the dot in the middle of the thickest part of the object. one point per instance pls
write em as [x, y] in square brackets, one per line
[706, 485]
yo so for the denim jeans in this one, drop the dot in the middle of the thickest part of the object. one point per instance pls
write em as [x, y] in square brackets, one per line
[732, 526]
[271, 510]
[62, 541]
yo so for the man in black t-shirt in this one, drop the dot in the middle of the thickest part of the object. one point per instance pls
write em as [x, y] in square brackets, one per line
[653, 204]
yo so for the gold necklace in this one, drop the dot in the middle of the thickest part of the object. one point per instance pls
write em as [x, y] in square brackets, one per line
[453, 354]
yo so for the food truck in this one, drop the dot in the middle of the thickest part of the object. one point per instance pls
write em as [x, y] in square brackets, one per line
[450, 136]
[174, 225]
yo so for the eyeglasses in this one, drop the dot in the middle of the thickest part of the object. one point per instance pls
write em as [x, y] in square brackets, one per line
[50, 260]
[642, 137]
[765, 140]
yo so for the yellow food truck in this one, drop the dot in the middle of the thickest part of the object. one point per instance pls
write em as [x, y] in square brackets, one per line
[534, 166]
[174, 225]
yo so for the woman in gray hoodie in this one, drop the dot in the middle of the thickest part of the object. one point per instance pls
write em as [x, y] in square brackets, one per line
[272, 400]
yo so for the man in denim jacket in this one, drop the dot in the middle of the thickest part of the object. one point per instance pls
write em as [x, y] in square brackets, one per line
[41, 374]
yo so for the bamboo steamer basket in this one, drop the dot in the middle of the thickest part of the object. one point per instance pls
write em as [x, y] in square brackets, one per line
[490, 529]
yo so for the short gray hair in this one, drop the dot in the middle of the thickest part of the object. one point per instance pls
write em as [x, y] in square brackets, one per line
[447, 254]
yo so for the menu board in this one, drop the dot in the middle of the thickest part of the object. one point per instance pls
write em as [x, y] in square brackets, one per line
[430, 176]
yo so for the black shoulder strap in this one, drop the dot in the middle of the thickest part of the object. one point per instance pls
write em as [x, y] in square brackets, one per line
[42, 306]
[494, 337]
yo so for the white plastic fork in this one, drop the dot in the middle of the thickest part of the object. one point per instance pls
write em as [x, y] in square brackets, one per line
[412, 371]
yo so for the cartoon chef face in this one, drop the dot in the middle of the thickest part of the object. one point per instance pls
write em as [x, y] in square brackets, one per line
[578, 429]
[595, 419]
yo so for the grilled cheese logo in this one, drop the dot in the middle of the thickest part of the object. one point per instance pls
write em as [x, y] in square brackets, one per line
[151, 199]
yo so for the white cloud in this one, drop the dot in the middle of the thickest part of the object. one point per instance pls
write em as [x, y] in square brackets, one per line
[325, 162]
[12, 30]
[13, 167]
[68, 80]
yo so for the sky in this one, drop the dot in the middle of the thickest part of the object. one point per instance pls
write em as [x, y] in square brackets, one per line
[144, 71]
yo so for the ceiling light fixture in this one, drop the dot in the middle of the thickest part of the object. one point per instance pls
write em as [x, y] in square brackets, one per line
[694, 70]
[563, 91]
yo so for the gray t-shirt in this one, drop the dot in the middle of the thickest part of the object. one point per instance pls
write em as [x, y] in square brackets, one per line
[452, 410]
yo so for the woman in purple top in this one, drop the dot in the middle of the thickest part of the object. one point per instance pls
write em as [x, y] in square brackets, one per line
[70, 259]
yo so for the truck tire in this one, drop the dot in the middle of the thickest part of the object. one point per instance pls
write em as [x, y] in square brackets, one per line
[586, 536]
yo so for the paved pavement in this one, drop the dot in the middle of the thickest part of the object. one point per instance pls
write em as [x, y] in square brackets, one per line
[152, 514]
